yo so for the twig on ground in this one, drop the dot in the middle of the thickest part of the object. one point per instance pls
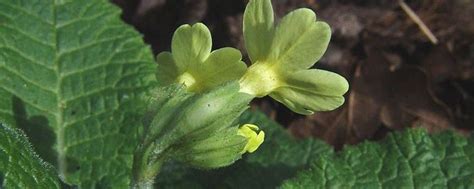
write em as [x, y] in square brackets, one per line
[418, 21]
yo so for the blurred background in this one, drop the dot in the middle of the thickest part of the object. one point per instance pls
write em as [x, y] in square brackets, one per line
[409, 63]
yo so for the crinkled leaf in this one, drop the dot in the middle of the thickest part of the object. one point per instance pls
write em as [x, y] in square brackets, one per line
[299, 40]
[258, 29]
[74, 77]
[192, 63]
[409, 159]
[325, 89]
[20, 167]
[278, 158]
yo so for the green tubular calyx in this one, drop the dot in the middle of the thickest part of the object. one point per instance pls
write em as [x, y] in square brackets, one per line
[197, 129]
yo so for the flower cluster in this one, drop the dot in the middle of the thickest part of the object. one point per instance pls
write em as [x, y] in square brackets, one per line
[281, 55]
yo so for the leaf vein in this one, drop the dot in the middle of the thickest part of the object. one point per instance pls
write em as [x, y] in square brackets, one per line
[19, 9]
[26, 57]
[18, 31]
[28, 80]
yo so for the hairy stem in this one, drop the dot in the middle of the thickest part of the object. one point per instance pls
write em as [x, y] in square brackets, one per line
[146, 167]
[142, 185]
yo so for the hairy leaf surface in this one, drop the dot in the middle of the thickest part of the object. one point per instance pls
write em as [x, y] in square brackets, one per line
[73, 78]
[409, 159]
[20, 167]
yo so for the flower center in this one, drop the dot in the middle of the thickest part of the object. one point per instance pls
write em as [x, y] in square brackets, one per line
[188, 80]
[260, 79]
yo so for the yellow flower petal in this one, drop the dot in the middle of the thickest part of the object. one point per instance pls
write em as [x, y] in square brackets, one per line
[254, 137]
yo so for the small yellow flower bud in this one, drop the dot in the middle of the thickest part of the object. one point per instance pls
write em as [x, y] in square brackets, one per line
[255, 139]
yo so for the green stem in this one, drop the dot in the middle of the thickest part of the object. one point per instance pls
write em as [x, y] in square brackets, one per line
[146, 167]
[142, 185]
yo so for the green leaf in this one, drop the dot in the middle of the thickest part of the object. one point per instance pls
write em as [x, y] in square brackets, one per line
[322, 87]
[74, 71]
[409, 159]
[258, 29]
[191, 62]
[277, 159]
[20, 167]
